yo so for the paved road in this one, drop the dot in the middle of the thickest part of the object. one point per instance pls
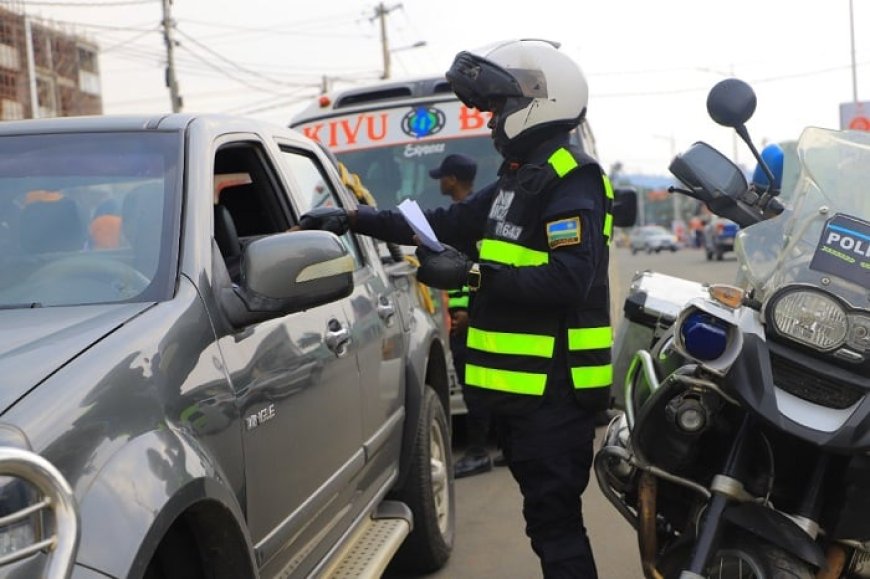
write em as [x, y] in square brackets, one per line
[490, 542]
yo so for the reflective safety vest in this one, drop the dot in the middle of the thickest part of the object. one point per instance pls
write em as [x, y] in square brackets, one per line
[511, 351]
[458, 298]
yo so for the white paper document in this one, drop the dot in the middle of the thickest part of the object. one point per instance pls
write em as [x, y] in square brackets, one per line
[418, 222]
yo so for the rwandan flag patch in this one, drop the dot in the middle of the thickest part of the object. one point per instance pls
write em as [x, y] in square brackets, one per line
[563, 232]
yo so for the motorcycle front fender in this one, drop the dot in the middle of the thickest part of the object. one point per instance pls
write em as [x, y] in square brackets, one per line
[776, 528]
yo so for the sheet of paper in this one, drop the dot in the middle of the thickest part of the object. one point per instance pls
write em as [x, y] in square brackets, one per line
[418, 222]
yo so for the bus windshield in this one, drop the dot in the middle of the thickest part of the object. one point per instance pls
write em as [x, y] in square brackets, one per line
[392, 148]
[397, 172]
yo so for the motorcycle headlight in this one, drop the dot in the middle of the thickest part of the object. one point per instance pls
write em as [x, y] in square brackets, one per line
[810, 318]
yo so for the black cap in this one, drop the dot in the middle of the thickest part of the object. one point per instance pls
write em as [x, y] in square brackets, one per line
[462, 167]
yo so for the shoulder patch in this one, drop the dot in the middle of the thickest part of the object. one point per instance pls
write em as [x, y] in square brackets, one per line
[563, 232]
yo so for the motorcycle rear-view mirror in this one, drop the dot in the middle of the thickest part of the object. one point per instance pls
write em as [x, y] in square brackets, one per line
[716, 181]
[624, 207]
[731, 102]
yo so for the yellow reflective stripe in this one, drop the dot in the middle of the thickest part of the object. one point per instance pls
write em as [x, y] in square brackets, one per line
[563, 162]
[511, 253]
[592, 376]
[590, 338]
[608, 186]
[505, 380]
[457, 302]
[509, 343]
[608, 217]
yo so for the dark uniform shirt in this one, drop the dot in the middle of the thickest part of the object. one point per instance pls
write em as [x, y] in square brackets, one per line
[573, 279]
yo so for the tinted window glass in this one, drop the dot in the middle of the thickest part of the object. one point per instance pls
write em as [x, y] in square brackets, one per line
[313, 189]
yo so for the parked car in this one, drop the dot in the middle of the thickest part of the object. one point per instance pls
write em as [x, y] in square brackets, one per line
[652, 238]
[719, 235]
[204, 392]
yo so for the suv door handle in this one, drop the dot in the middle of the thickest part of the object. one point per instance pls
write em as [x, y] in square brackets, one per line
[386, 310]
[338, 338]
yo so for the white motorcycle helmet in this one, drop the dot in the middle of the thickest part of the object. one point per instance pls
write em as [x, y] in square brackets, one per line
[542, 89]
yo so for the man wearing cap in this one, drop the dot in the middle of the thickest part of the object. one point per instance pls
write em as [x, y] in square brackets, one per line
[456, 178]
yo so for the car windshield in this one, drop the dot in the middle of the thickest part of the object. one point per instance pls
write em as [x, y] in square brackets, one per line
[87, 218]
[823, 236]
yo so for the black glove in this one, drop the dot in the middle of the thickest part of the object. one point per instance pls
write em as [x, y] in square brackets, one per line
[446, 269]
[332, 219]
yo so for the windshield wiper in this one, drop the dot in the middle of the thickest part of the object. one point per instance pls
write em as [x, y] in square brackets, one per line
[24, 306]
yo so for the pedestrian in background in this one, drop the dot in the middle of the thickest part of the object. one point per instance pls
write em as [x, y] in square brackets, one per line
[456, 180]
[539, 336]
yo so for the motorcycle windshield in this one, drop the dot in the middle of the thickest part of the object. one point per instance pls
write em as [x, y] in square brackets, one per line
[823, 236]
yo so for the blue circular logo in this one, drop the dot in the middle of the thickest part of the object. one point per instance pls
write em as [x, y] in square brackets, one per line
[423, 122]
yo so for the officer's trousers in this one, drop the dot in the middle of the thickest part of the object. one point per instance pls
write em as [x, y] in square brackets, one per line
[549, 452]
[477, 421]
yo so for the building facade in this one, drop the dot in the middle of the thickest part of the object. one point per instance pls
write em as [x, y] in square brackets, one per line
[45, 72]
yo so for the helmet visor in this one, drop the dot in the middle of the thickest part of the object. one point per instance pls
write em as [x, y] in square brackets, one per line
[479, 83]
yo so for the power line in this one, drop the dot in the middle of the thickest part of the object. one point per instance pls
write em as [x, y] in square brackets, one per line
[108, 4]
[706, 88]
[127, 42]
[296, 27]
[232, 63]
[227, 73]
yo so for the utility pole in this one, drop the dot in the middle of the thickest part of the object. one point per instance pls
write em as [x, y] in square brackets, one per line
[171, 80]
[31, 69]
[381, 12]
[852, 40]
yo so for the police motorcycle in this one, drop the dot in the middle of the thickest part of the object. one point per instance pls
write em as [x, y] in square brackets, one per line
[744, 448]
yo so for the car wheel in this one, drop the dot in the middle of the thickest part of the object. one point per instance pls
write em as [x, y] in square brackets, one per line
[709, 255]
[428, 491]
[634, 251]
[719, 254]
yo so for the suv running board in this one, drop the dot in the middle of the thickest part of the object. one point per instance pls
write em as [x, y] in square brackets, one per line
[373, 544]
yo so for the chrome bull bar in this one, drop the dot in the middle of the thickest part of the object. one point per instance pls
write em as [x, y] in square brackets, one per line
[57, 496]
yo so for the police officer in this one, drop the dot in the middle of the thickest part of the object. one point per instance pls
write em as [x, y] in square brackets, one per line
[539, 334]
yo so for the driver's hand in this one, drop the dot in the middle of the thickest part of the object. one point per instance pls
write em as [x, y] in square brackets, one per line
[333, 219]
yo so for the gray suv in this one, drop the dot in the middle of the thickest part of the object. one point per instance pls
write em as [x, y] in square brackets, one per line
[199, 390]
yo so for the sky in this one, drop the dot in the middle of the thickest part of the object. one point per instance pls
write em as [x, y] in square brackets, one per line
[649, 63]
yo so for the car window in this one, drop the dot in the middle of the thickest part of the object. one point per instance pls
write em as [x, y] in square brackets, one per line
[248, 201]
[312, 189]
[88, 218]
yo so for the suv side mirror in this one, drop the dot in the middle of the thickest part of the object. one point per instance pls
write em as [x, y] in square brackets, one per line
[287, 273]
[624, 207]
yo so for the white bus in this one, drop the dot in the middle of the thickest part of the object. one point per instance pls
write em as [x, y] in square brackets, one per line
[392, 133]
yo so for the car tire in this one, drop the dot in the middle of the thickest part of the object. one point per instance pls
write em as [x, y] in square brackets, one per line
[719, 254]
[634, 251]
[428, 491]
[709, 255]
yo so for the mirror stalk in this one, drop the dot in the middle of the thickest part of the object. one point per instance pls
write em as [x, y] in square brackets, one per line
[744, 134]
